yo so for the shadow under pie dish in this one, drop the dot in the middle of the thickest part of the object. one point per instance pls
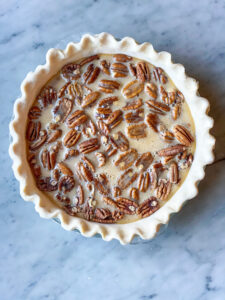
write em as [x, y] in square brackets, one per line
[110, 137]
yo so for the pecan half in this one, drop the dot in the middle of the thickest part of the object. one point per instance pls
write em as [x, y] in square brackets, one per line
[183, 135]
[48, 159]
[102, 213]
[91, 74]
[174, 173]
[76, 119]
[143, 72]
[62, 199]
[126, 179]
[108, 86]
[103, 128]
[114, 119]
[132, 89]
[119, 70]
[63, 89]
[101, 159]
[165, 134]
[109, 201]
[83, 172]
[39, 142]
[134, 104]
[159, 75]
[105, 67]
[62, 109]
[157, 107]
[75, 91]
[66, 184]
[88, 163]
[121, 141]
[125, 160]
[71, 153]
[101, 186]
[71, 138]
[126, 205]
[54, 135]
[71, 71]
[135, 117]
[151, 90]
[152, 121]
[144, 161]
[86, 60]
[148, 207]
[47, 96]
[176, 110]
[46, 184]
[89, 145]
[90, 99]
[134, 193]
[116, 191]
[34, 112]
[154, 178]
[80, 195]
[122, 57]
[137, 131]
[33, 130]
[143, 181]
[163, 189]
[172, 151]
[64, 169]
[108, 101]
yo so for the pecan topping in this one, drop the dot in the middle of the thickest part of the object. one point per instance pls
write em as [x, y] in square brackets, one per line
[157, 107]
[75, 91]
[80, 195]
[126, 179]
[103, 128]
[88, 163]
[83, 172]
[144, 161]
[135, 117]
[64, 169]
[88, 59]
[101, 159]
[63, 199]
[109, 201]
[71, 138]
[137, 131]
[48, 159]
[132, 89]
[152, 121]
[176, 111]
[126, 159]
[148, 207]
[108, 101]
[71, 153]
[143, 181]
[183, 135]
[116, 191]
[102, 213]
[172, 151]
[134, 104]
[66, 184]
[163, 189]
[132, 69]
[33, 130]
[91, 74]
[47, 96]
[47, 184]
[122, 57]
[101, 186]
[174, 172]
[90, 99]
[119, 70]
[63, 89]
[62, 109]
[105, 67]
[34, 112]
[165, 134]
[143, 72]
[108, 86]
[127, 206]
[134, 193]
[114, 119]
[89, 146]
[54, 135]
[159, 75]
[154, 178]
[39, 142]
[55, 174]
[76, 119]
[71, 71]
[103, 112]
[151, 90]
[121, 141]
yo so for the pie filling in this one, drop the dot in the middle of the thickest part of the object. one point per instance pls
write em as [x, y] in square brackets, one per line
[110, 138]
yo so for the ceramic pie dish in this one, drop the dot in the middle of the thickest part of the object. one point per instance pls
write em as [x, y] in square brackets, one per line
[110, 137]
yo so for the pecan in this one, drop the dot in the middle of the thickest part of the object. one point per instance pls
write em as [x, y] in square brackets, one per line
[88, 163]
[144, 161]
[164, 95]
[33, 130]
[143, 181]
[54, 135]
[116, 191]
[122, 57]
[71, 71]
[108, 86]
[163, 189]
[109, 201]
[76, 92]
[126, 205]
[66, 184]
[126, 179]
[174, 172]
[110, 151]
[126, 159]
[71, 138]
[89, 146]
[48, 159]
[105, 67]
[154, 178]
[34, 112]
[62, 109]
[117, 215]
[183, 135]
[159, 75]
[151, 90]
[91, 127]
[108, 101]
[137, 131]
[63, 89]
[121, 141]
[90, 99]
[103, 111]
[157, 107]
[132, 89]
[80, 194]
[102, 213]
[47, 96]
[179, 97]
[55, 174]
[76, 119]
[36, 169]
[101, 159]
[86, 60]
[83, 172]
[134, 104]
[176, 111]
[165, 134]
[71, 153]
[63, 199]
[135, 117]
[91, 74]
[103, 128]
[167, 159]
[132, 69]
[148, 207]
[89, 212]
[101, 187]
[114, 119]
[46, 184]
[88, 72]
[119, 70]
[152, 121]
[172, 151]
[39, 142]
[143, 72]
[64, 169]
[134, 193]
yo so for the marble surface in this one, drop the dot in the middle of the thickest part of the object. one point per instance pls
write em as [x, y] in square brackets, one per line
[39, 260]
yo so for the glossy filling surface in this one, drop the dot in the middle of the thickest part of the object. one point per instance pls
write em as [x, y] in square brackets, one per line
[110, 138]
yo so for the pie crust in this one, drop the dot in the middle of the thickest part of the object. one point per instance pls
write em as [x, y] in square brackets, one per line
[105, 43]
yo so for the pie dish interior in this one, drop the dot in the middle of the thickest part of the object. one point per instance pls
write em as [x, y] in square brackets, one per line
[105, 43]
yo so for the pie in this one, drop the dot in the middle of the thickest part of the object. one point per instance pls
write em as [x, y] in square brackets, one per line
[110, 137]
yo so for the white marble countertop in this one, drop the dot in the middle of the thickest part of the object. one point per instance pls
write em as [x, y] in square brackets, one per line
[39, 260]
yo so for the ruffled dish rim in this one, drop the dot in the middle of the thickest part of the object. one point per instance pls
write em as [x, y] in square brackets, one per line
[106, 43]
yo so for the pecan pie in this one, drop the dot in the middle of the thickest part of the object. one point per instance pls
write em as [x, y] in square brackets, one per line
[109, 137]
